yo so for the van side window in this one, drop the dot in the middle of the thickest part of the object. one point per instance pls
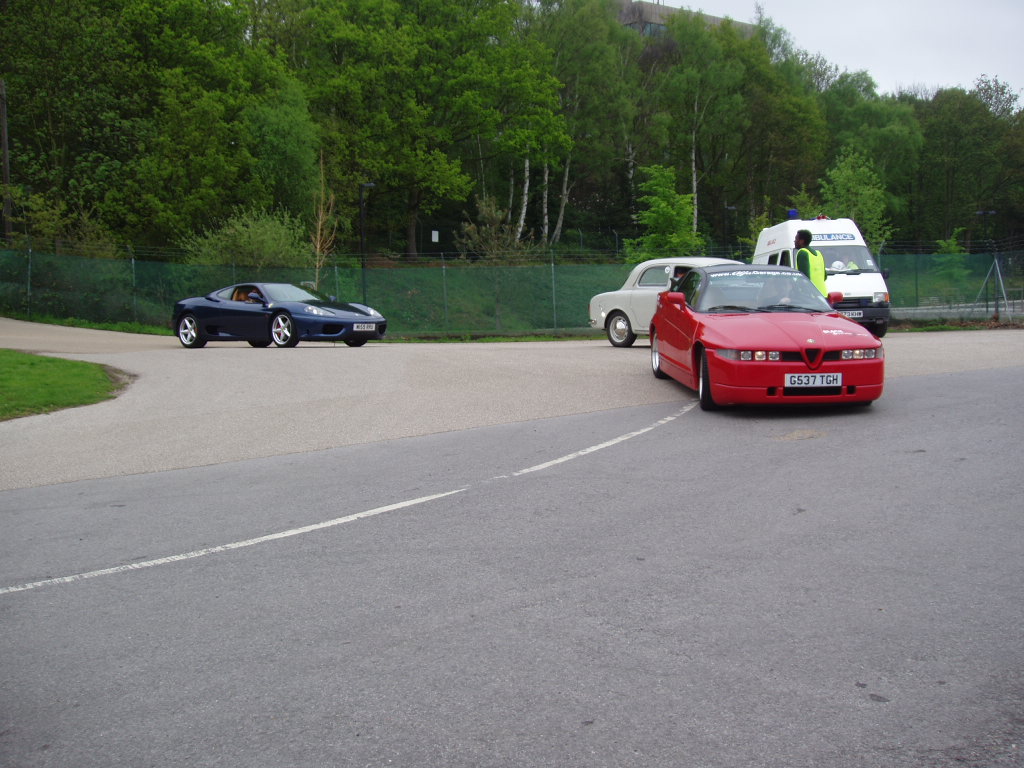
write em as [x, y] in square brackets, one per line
[785, 259]
[773, 259]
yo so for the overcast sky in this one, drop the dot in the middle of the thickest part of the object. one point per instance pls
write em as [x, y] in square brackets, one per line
[901, 43]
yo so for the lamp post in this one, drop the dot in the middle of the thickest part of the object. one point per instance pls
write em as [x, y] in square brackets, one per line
[362, 231]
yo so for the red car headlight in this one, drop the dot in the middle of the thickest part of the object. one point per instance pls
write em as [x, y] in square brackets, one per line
[756, 355]
[862, 354]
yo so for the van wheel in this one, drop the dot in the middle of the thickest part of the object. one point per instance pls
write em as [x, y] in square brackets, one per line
[620, 332]
[880, 329]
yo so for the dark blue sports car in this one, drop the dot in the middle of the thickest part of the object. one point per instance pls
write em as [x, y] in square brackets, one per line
[281, 314]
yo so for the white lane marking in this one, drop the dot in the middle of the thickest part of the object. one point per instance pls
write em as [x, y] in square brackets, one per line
[608, 444]
[226, 547]
[327, 524]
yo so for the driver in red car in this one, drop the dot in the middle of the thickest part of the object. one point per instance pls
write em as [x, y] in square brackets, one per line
[786, 291]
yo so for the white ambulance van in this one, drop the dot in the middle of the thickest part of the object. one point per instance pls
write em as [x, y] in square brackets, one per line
[849, 266]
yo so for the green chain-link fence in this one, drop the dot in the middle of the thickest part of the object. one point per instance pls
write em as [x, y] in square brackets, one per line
[465, 298]
[453, 297]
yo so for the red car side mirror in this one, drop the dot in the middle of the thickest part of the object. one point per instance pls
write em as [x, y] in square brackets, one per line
[834, 297]
[674, 297]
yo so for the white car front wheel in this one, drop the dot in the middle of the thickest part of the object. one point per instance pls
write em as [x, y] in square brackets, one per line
[619, 329]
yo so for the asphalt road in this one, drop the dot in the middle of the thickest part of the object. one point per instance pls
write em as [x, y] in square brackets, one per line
[509, 555]
[228, 402]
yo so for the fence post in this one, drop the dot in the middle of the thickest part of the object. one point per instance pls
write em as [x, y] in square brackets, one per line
[554, 295]
[28, 281]
[444, 288]
[917, 285]
[135, 289]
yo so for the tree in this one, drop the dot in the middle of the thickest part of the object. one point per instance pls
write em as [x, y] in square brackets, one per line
[962, 165]
[701, 92]
[885, 130]
[591, 59]
[252, 238]
[408, 90]
[998, 96]
[950, 262]
[282, 138]
[780, 148]
[325, 225]
[852, 190]
[807, 205]
[492, 235]
[228, 127]
[152, 118]
[666, 219]
[76, 112]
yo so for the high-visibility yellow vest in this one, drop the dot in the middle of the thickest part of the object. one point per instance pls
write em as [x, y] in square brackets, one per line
[812, 264]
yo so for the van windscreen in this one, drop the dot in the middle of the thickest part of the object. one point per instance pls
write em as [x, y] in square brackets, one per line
[847, 258]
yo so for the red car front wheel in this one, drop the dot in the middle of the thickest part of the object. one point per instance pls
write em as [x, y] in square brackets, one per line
[707, 402]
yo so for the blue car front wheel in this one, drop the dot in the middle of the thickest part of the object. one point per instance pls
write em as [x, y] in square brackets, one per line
[282, 330]
[188, 332]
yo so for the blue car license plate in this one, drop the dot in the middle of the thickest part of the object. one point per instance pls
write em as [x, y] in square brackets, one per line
[364, 327]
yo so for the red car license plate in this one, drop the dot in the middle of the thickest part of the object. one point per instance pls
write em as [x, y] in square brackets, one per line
[814, 379]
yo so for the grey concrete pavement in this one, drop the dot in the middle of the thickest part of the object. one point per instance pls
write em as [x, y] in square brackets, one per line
[229, 402]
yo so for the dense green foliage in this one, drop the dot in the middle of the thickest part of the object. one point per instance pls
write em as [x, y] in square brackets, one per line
[665, 218]
[160, 122]
[251, 238]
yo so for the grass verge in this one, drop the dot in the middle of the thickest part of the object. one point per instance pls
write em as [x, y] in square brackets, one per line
[75, 322]
[924, 326]
[31, 384]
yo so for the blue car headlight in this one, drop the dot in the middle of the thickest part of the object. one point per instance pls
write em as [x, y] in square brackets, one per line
[318, 311]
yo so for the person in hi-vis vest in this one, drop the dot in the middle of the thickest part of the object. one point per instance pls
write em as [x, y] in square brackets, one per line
[809, 261]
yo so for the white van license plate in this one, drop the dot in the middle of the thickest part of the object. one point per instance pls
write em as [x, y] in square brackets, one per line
[364, 327]
[814, 380]
[851, 312]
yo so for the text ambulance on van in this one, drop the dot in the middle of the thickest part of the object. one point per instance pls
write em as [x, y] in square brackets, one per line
[849, 267]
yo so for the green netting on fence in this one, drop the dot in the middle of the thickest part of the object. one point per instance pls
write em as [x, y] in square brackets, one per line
[442, 299]
[458, 297]
[924, 280]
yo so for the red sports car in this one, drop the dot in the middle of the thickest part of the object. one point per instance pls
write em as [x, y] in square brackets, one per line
[762, 334]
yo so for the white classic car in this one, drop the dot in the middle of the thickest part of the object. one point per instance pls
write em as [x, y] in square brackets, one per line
[626, 313]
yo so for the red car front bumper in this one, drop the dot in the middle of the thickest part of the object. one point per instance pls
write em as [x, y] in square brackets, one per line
[734, 382]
